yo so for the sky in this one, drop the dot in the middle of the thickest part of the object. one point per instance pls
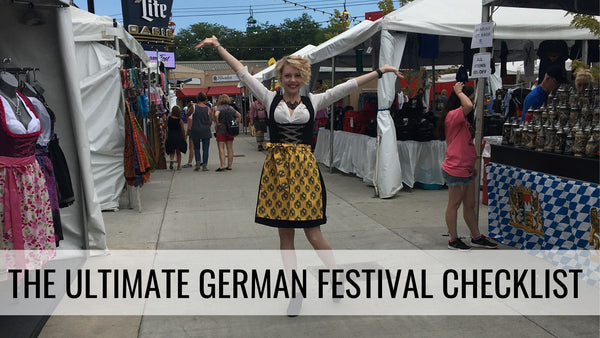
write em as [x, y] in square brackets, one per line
[234, 13]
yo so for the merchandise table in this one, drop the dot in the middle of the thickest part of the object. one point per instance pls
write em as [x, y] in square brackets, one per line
[543, 200]
[357, 154]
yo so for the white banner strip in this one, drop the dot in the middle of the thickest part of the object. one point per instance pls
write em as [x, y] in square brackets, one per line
[254, 282]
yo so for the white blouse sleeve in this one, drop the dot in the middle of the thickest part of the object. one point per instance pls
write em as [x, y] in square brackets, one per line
[332, 95]
[261, 92]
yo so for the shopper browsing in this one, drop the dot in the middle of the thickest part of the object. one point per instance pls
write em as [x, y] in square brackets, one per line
[458, 168]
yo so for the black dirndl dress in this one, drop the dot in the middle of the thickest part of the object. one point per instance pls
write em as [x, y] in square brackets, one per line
[291, 192]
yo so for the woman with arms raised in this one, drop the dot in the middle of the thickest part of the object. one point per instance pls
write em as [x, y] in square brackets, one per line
[291, 192]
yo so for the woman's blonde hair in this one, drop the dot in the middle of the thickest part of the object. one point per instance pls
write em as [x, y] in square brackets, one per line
[223, 99]
[296, 61]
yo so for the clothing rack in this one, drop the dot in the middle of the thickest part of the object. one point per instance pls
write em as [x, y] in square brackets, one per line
[19, 70]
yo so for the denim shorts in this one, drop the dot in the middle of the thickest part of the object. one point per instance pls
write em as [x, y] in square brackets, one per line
[453, 180]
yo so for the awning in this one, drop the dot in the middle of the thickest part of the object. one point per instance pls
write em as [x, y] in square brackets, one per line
[190, 92]
[229, 90]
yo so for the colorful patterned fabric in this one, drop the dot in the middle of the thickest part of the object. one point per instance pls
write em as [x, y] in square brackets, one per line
[41, 155]
[532, 210]
[291, 192]
[137, 165]
[25, 214]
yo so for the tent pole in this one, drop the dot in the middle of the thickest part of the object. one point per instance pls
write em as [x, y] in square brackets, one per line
[485, 17]
[332, 117]
[432, 103]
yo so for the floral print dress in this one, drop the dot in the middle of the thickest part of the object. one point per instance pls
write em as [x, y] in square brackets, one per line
[25, 213]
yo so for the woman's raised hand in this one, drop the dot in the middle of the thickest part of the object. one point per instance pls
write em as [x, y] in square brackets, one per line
[212, 41]
[387, 68]
[458, 87]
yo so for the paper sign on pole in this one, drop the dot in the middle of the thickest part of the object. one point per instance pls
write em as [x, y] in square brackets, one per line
[481, 65]
[483, 35]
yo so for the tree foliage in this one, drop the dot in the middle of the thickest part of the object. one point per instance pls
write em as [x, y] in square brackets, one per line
[263, 42]
[387, 6]
[581, 21]
[337, 25]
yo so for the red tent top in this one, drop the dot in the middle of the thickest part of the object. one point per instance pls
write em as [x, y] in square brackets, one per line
[229, 90]
[190, 92]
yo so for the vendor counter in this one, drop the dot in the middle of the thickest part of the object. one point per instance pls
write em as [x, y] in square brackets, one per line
[357, 154]
[540, 200]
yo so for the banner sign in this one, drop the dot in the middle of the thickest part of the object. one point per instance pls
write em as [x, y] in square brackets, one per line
[168, 58]
[483, 35]
[481, 65]
[148, 21]
[225, 78]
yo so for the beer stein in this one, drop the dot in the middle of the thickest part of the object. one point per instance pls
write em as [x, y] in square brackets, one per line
[579, 143]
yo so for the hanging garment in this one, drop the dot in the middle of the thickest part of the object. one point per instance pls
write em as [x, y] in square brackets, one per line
[528, 58]
[25, 214]
[504, 58]
[64, 187]
[137, 165]
[41, 155]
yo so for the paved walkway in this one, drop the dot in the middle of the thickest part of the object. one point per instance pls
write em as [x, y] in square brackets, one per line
[184, 210]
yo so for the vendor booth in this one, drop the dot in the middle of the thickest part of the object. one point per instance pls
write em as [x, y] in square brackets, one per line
[543, 184]
[42, 40]
[98, 69]
[394, 40]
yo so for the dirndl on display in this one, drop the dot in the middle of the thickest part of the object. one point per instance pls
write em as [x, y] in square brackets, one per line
[291, 192]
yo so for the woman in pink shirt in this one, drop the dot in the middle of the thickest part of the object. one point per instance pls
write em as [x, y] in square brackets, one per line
[456, 127]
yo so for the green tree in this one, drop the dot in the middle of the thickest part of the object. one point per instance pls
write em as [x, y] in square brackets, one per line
[582, 21]
[337, 25]
[264, 42]
[387, 6]
[187, 39]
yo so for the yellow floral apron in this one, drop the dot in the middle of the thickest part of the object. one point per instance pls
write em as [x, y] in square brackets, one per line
[291, 193]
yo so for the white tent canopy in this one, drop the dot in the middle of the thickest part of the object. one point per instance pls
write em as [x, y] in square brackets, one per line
[451, 20]
[100, 82]
[90, 27]
[50, 48]
[459, 17]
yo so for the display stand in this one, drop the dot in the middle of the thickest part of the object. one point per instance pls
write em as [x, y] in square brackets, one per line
[356, 153]
[541, 200]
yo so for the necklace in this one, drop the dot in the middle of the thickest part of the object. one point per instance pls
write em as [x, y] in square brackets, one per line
[18, 110]
[292, 105]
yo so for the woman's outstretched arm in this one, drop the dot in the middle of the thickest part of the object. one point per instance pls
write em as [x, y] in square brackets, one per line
[223, 53]
[363, 79]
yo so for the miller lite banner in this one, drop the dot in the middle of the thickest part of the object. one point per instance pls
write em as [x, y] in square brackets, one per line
[148, 22]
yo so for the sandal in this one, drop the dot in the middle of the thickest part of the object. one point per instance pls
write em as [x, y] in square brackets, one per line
[220, 169]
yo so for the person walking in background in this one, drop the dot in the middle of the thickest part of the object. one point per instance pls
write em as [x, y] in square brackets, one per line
[223, 112]
[175, 143]
[258, 119]
[199, 122]
[189, 110]
[291, 191]
[458, 168]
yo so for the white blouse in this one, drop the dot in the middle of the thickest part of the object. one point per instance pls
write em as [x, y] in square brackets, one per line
[15, 126]
[301, 114]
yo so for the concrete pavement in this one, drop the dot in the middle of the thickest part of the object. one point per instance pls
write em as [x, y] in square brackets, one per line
[185, 210]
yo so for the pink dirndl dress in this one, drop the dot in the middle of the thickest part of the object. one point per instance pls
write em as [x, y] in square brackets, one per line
[25, 213]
